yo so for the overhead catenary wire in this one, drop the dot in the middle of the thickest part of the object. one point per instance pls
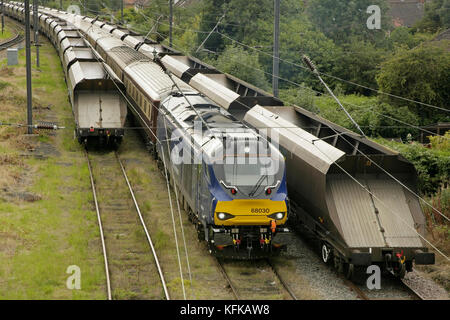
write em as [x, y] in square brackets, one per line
[165, 24]
[179, 215]
[321, 93]
[316, 72]
[290, 62]
[374, 195]
[370, 108]
[388, 208]
[337, 78]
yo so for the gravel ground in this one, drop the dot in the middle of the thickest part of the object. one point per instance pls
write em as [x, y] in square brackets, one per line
[321, 278]
[328, 284]
[391, 289]
[426, 288]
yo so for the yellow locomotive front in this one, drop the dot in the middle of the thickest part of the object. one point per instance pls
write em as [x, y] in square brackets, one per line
[249, 205]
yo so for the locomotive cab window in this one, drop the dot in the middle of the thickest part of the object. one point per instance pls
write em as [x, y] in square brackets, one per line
[246, 174]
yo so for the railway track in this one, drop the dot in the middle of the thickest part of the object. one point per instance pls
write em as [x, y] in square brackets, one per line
[242, 287]
[413, 291]
[129, 273]
[357, 289]
[284, 283]
[18, 37]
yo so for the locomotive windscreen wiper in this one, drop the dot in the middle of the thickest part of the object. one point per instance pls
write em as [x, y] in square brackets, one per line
[257, 185]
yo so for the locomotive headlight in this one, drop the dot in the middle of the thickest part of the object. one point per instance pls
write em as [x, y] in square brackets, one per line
[224, 216]
[277, 215]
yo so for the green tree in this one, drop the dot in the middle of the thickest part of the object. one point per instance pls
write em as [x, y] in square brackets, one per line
[341, 20]
[420, 74]
[437, 16]
[242, 64]
[211, 12]
[358, 62]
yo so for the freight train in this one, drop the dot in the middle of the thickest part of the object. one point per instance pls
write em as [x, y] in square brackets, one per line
[341, 185]
[231, 180]
[93, 88]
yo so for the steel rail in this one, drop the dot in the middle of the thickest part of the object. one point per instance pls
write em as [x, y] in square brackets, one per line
[413, 291]
[12, 41]
[99, 219]
[283, 283]
[353, 287]
[227, 278]
[149, 239]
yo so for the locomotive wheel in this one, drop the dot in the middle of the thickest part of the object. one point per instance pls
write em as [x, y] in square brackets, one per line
[326, 253]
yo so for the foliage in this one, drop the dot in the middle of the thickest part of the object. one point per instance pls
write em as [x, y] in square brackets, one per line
[404, 37]
[359, 62]
[333, 34]
[242, 64]
[440, 142]
[341, 20]
[303, 96]
[432, 165]
[437, 16]
[420, 74]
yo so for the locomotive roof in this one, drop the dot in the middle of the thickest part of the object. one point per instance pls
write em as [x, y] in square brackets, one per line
[218, 120]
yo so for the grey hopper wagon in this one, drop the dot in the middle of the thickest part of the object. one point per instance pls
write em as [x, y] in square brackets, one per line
[94, 90]
[98, 106]
[356, 227]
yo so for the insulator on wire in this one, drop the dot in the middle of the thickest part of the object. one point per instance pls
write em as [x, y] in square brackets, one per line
[47, 126]
[309, 63]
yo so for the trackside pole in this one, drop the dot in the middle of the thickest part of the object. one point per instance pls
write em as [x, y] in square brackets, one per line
[36, 29]
[276, 45]
[3, 17]
[28, 67]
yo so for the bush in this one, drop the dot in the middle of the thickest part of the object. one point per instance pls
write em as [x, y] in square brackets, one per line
[420, 74]
[440, 201]
[373, 116]
[243, 65]
[432, 165]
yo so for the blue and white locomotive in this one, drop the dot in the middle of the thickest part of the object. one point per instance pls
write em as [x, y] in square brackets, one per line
[233, 181]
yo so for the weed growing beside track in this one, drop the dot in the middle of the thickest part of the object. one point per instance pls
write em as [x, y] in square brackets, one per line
[47, 221]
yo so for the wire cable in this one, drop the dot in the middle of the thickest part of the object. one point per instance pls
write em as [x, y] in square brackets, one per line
[389, 174]
[337, 78]
[322, 93]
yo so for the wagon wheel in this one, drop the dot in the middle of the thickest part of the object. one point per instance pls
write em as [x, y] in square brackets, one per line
[326, 253]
